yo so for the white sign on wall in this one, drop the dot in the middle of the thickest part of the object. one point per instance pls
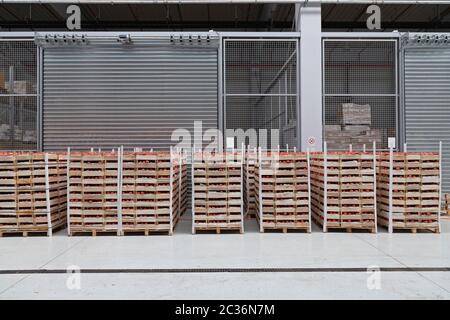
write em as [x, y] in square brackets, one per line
[391, 143]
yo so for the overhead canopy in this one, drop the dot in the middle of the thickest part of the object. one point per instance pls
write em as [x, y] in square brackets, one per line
[254, 16]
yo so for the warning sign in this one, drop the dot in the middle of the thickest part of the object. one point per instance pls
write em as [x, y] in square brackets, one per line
[312, 141]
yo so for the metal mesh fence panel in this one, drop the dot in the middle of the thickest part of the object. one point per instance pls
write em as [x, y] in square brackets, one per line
[18, 95]
[261, 88]
[360, 93]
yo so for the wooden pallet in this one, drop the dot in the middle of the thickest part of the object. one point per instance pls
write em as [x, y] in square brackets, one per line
[94, 232]
[343, 191]
[226, 228]
[286, 229]
[32, 192]
[282, 191]
[399, 226]
[415, 191]
[217, 185]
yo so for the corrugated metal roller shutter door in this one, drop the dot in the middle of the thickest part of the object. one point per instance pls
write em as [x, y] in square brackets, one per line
[427, 102]
[135, 95]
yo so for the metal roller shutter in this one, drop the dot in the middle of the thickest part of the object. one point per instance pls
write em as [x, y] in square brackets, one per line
[427, 102]
[106, 94]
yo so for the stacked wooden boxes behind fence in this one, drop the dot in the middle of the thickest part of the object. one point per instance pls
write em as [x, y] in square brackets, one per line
[415, 187]
[217, 192]
[355, 128]
[343, 190]
[125, 192]
[32, 192]
[282, 191]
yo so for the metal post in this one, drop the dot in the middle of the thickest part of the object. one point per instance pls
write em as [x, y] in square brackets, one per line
[310, 113]
[47, 197]
[193, 189]
[242, 189]
[221, 86]
[68, 189]
[325, 187]
[39, 99]
[309, 189]
[391, 173]
[440, 186]
[405, 147]
[11, 106]
[260, 213]
[171, 192]
[375, 185]
[246, 181]
[180, 178]
[298, 109]
[119, 192]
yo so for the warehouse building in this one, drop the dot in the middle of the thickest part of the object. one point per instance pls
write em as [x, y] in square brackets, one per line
[134, 73]
[78, 81]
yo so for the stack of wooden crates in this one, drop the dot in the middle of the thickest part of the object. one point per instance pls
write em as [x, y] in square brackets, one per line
[151, 192]
[93, 179]
[415, 187]
[32, 192]
[283, 191]
[217, 192]
[343, 190]
[125, 192]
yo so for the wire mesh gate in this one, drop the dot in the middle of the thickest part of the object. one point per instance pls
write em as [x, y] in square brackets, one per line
[260, 92]
[360, 93]
[18, 95]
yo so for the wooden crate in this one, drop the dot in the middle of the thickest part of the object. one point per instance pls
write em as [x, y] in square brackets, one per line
[32, 192]
[217, 192]
[343, 190]
[282, 191]
[249, 183]
[415, 182]
[131, 192]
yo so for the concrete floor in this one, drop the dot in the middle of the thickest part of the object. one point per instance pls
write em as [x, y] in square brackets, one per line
[309, 266]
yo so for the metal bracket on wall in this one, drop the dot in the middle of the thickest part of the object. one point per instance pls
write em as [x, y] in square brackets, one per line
[44, 40]
[425, 39]
[192, 40]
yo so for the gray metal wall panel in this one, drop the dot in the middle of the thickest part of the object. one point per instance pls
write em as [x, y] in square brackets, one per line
[427, 102]
[136, 95]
